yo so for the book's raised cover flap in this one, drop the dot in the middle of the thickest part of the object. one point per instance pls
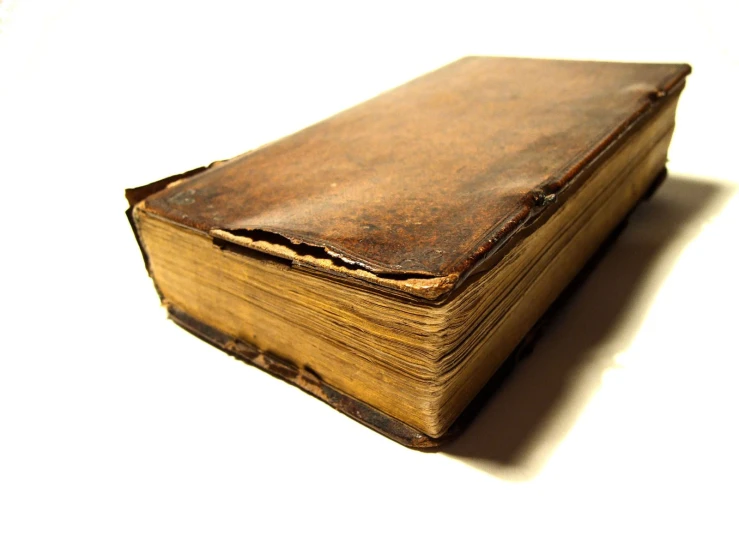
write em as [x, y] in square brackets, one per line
[427, 180]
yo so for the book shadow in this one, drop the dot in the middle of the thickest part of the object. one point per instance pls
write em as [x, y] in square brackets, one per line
[533, 407]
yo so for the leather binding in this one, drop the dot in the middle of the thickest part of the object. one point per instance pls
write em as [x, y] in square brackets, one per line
[439, 150]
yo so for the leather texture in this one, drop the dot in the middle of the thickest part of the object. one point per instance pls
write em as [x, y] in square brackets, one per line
[430, 178]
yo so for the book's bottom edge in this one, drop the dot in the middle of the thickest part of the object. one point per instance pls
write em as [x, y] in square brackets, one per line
[308, 381]
[364, 413]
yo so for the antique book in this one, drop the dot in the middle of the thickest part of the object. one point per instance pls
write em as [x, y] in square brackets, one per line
[389, 259]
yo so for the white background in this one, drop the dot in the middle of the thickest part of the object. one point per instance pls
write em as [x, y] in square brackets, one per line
[119, 432]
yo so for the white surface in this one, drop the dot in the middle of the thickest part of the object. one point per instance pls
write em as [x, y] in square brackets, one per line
[119, 432]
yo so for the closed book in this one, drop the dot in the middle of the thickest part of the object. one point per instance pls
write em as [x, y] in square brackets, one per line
[391, 258]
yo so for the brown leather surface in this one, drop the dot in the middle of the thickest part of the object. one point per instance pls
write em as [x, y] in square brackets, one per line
[430, 177]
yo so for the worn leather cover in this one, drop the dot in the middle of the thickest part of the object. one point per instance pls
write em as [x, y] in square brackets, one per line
[429, 182]
[431, 178]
